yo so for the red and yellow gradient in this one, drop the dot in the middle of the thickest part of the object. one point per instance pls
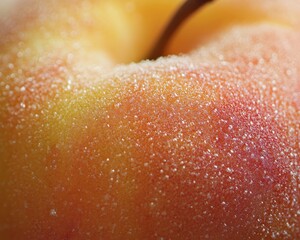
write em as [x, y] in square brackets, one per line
[203, 145]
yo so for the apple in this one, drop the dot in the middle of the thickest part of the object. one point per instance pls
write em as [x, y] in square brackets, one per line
[203, 143]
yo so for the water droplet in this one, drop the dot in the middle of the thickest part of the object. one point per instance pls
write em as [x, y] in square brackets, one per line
[53, 212]
[22, 105]
[146, 164]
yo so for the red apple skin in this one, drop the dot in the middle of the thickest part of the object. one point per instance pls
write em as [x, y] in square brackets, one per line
[191, 147]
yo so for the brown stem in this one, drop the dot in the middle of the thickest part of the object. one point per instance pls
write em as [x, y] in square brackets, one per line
[186, 10]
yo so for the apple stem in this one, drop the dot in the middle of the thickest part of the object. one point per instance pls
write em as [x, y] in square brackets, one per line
[186, 10]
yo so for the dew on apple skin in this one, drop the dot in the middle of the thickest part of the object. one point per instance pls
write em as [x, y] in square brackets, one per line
[176, 141]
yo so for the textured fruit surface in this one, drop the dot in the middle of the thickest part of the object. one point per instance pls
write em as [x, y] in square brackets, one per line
[195, 146]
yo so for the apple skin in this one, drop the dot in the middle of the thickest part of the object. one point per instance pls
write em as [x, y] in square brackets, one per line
[204, 145]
